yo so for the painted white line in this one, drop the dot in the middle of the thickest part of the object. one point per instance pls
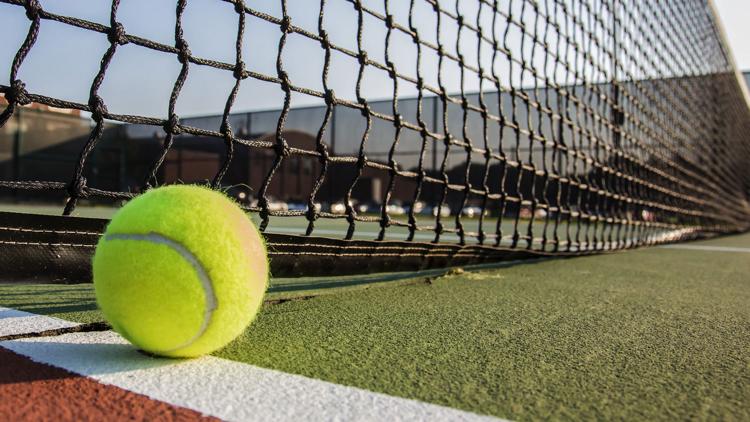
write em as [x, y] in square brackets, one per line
[13, 322]
[708, 248]
[224, 388]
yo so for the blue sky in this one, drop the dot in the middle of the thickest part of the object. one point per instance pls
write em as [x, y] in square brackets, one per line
[65, 59]
[735, 15]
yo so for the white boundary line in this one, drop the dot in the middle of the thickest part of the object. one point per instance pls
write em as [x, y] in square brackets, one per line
[13, 322]
[219, 387]
[707, 248]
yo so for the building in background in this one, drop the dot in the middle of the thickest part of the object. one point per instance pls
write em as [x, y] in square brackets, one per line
[40, 143]
[44, 107]
[561, 131]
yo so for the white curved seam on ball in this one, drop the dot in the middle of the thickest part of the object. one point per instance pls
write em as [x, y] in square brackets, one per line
[203, 277]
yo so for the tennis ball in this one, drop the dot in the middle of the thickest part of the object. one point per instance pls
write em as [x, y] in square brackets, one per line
[180, 271]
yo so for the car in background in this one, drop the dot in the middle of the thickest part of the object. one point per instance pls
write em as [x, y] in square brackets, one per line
[418, 206]
[274, 205]
[243, 194]
[368, 208]
[338, 208]
[395, 208]
[301, 206]
[297, 206]
[472, 211]
[445, 211]
[648, 216]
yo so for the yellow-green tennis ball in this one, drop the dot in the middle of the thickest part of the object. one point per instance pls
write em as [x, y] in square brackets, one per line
[180, 271]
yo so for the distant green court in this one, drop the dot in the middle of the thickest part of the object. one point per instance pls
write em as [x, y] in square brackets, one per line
[366, 230]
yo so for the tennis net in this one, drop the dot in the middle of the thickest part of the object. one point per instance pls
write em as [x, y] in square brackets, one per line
[433, 132]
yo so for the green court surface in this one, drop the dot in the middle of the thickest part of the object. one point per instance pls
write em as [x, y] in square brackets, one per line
[654, 333]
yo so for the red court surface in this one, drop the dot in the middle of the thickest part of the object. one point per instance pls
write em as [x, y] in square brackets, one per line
[34, 391]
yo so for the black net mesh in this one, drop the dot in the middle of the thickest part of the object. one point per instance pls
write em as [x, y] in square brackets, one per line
[555, 126]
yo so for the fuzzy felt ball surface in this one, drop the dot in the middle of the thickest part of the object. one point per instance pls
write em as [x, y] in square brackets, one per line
[180, 271]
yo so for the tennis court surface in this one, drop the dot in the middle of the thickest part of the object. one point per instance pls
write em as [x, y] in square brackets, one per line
[657, 333]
